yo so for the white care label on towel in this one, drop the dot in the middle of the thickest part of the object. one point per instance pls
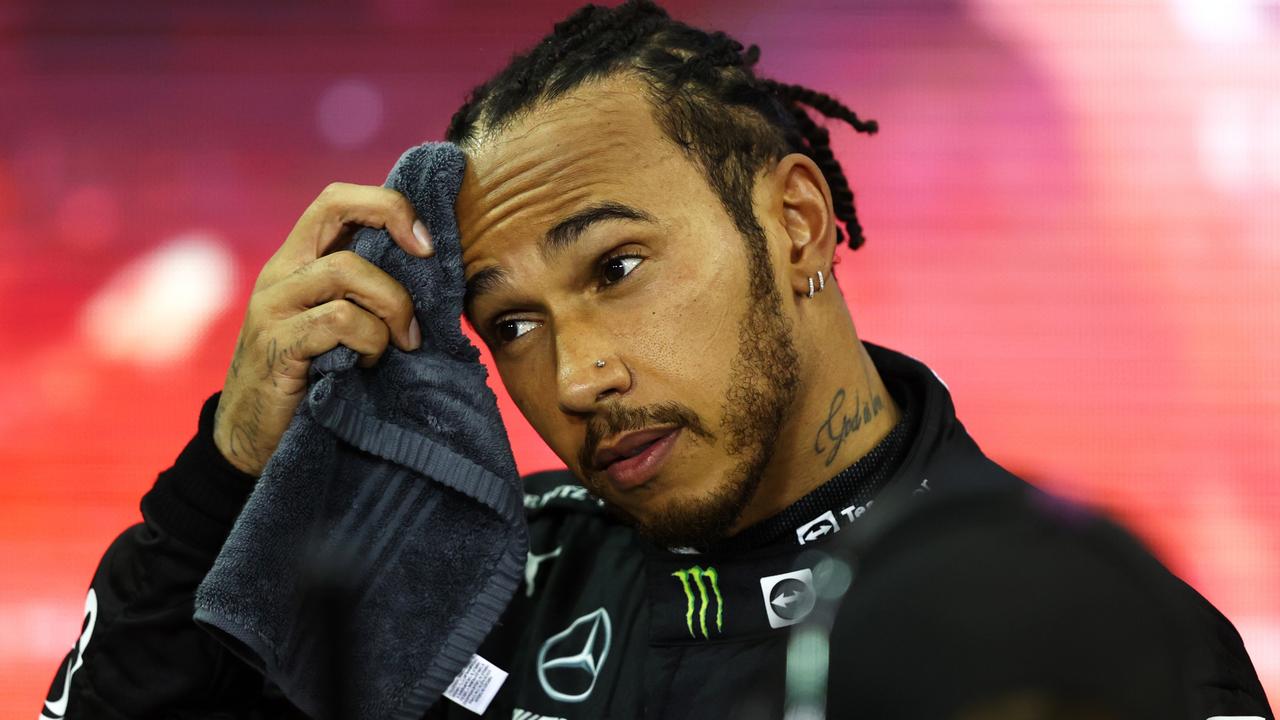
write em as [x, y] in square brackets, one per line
[476, 685]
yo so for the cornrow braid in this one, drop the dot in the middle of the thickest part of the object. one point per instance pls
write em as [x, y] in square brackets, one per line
[704, 91]
[817, 142]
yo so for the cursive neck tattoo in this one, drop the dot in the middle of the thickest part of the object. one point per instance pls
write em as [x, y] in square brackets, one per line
[840, 425]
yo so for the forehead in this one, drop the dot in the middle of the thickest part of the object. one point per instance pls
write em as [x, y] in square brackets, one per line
[596, 144]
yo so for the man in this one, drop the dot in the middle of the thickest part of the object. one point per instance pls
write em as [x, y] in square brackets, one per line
[648, 231]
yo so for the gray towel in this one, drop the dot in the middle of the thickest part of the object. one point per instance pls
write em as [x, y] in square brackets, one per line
[386, 534]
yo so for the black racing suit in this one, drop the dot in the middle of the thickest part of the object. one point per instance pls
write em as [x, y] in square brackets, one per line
[606, 625]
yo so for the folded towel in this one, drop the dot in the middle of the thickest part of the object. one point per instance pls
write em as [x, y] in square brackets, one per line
[386, 534]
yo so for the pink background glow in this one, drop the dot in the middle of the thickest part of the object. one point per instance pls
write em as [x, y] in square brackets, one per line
[1071, 213]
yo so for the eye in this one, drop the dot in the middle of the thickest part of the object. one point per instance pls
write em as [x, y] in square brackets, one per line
[509, 330]
[618, 267]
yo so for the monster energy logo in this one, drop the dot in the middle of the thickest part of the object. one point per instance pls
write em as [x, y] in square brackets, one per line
[701, 577]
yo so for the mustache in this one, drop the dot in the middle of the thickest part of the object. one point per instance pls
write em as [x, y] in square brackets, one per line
[613, 420]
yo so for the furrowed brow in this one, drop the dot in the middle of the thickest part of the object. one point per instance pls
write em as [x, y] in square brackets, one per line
[569, 230]
[486, 281]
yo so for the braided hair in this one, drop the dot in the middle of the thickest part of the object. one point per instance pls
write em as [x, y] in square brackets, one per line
[704, 91]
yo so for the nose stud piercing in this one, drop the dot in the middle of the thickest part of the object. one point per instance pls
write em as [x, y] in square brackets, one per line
[599, 363]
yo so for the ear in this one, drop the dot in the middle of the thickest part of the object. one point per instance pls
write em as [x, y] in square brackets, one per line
[804, 202]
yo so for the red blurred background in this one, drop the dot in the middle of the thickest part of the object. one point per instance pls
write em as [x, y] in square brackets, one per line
[1071, 210]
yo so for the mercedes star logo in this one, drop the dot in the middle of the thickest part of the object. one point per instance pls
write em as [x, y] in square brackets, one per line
[570, 661]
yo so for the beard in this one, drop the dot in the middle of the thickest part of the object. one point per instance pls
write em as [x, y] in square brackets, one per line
[763, 383]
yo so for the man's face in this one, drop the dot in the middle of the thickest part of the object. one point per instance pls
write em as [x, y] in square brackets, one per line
[650, 275]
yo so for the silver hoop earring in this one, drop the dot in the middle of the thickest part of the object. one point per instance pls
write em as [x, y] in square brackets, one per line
[821, 283]
[599, 363]
[810, 286]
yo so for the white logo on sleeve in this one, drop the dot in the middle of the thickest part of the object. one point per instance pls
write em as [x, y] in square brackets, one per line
[56, 707]
[788, 598]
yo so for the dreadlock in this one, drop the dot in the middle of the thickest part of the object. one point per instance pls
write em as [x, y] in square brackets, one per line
[704, 91]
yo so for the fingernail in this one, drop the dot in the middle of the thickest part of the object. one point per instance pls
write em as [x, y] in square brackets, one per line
[424, 238]
[415, 333]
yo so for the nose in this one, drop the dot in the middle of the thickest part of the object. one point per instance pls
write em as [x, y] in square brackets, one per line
[581, 383]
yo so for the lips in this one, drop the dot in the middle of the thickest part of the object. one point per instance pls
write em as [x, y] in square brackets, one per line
[628, 445]
[650, 454]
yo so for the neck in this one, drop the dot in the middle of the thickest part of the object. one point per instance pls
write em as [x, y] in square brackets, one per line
[842, 411]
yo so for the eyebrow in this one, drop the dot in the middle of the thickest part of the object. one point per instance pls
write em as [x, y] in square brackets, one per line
[561, 236]
[486, 281]
[569, 230]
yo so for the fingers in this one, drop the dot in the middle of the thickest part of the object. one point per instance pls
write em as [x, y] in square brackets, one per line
[268, 374]
[322, 328]
[310, 297]
[345, 275]
[330, 220]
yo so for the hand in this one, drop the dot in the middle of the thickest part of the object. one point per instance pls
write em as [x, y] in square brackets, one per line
[311, 296]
